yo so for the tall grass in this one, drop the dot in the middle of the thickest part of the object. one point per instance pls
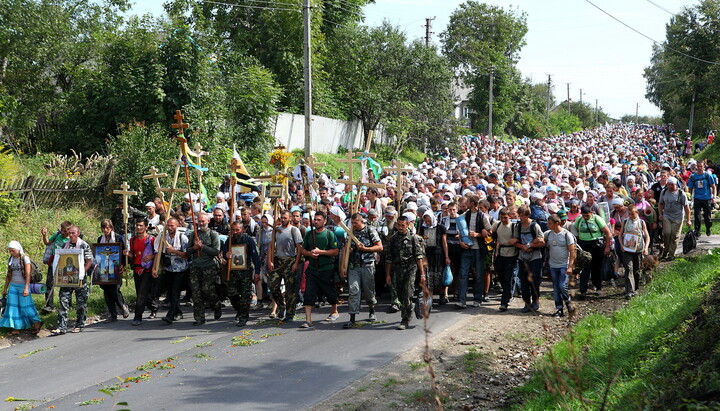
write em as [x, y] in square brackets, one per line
[599, 364]
[25, 228]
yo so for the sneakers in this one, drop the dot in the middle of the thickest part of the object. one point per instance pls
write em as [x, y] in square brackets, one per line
[707, 231]
[167, 320]
[525, 309]
[403, 325]
[460, 306]
[153, 315]
[57, 332]
[348, 325]
[503, 307]
[535, 306]
[372, 317]
[125, 311]
[288, 319]
[558, 313]
[135, 323]
[485, 299]
[393, 309]
[218, 313]
[200, 322]
[241, 322]
[443, 300]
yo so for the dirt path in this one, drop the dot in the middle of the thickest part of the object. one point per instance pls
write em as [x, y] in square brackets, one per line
[477, 362]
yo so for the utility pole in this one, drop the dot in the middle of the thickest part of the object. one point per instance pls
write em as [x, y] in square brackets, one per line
[490, 126]
[597, 119]
[692, 114]
[427, 31]
[568, 96]
[581, 93]
[547, 105]
[308, 77]
[637, 108]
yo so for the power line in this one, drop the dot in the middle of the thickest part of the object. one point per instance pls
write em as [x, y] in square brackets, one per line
[248, 6]
[661, 7]
[651, 39]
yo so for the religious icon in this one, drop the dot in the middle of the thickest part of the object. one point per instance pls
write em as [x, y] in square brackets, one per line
[275, 191]
[69, 267]
[107, 263]
[239, 257]
[630, 242]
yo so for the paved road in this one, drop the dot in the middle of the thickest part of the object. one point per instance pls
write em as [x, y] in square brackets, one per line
[290, 371]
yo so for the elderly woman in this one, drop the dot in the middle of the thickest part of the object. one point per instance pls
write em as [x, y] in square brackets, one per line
[436, 251]
[20, 312]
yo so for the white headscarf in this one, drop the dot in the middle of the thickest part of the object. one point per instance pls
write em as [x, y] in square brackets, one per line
[433, 219]
[16, 246]
[338, 212]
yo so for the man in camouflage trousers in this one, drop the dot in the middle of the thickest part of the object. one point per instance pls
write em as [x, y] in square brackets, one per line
[239, 287]
[81, 293]
[284, 265]
[404, 258]
[204, 270]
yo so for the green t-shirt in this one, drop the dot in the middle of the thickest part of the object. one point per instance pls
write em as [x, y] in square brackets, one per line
[325, 240]
[589, 230]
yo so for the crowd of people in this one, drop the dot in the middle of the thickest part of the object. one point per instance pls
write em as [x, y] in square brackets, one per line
[583, 208]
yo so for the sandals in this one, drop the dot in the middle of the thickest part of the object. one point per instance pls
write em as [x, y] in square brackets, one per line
[307, 325]
[332, 317]
[76, 330]
[15, 332]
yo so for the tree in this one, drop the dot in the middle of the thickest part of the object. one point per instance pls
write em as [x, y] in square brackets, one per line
[47, 47]
[482, 39]
[675, 80]
[380, 79]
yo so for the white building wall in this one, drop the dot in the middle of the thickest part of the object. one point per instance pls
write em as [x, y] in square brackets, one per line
[327, 134]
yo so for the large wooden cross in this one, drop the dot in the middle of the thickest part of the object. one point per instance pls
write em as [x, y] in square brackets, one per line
[180, 126]
[401, 181]
[351, 161]
[156, 177]
[199, 153]
[311, 162]
[125, 192]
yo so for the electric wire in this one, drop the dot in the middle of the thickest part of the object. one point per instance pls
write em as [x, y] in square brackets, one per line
[653, 40]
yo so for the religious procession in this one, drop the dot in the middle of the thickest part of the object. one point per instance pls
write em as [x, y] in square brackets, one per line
[584, 211]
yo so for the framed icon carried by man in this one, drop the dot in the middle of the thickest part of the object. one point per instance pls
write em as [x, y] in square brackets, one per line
[107, 263]
[69, 267]
[239, 257]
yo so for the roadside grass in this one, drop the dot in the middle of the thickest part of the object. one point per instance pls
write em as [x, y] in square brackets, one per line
[332, 166]
[25, 228]
[473, 360]
[608, 362]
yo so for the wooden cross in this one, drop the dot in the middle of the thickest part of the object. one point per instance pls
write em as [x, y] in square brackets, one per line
[156, 177]
[179, 125]
[311, 162]
[199, 154]
[305, 181]
[350, 160]
[125, 192]
[400, 182]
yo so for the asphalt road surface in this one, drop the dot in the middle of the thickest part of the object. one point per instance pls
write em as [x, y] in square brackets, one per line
[289, 371]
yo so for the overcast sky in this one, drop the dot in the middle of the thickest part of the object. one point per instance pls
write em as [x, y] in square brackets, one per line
[569, 39]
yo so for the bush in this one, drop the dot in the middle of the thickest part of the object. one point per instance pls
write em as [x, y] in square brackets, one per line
[9, 207]
[135, 150]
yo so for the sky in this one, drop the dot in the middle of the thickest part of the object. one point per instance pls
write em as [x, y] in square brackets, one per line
[570, 40]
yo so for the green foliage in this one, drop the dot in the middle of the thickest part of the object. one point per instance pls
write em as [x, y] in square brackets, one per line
[674, 80]
[9, 208]
[379, 78]
[135, 150]
[630, 118]
[562, 122]
[481, 38]
[638, 353]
